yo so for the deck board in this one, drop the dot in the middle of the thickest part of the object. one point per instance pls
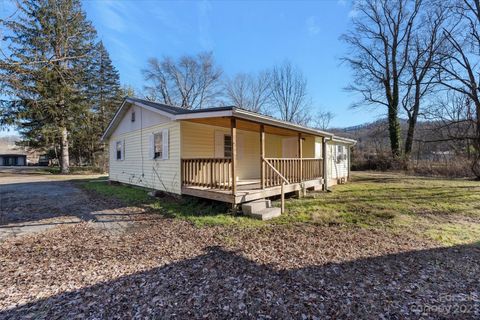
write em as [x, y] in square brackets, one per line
[246, 191]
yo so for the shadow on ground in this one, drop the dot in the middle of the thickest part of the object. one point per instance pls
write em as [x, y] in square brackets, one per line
[436, 283]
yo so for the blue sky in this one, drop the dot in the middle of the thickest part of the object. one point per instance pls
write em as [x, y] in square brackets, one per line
[244, 36]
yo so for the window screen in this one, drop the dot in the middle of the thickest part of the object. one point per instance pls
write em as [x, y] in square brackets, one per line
[158, 145]
[119, 150]
[227, 146]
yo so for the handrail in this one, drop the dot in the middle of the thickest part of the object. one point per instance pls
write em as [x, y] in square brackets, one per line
[276, 171]
[282, 185]
[293, 158]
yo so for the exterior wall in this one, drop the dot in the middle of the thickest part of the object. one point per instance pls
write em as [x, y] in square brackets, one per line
[336, 169]
[137, 168]
[198, 141]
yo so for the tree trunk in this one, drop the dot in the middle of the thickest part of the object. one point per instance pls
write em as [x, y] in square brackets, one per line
[412, 123]
[65, 164]
[394, 131]
[409, 139]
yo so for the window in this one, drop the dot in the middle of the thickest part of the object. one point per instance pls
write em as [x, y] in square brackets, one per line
[119, 150]
[227, 146]
[133, 116]
[158, 145]
[341, 153]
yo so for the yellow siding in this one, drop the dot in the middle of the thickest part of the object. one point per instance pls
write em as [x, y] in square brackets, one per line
[198, 141]
[137, 168]
[308, 147]
[273, 146]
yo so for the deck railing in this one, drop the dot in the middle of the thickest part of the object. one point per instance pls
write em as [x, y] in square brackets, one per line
[295, 170]
[213, 173]
[216, 173]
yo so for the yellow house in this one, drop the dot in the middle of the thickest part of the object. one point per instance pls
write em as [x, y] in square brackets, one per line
[226, 153]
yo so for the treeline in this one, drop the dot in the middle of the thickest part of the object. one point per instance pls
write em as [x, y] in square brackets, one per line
[60, 89]
[196, 81]
[58, 84]
[419, 59]
[433, 152]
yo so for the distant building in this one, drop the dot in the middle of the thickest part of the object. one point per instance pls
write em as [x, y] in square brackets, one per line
[13, 159]
[13, 155]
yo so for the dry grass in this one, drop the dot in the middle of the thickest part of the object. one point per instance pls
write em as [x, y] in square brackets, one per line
[446, 210]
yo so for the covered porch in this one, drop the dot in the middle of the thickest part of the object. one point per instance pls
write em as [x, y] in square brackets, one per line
[237, 160]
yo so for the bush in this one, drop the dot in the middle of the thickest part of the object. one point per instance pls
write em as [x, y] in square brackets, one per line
[76, 170]
[454, 168]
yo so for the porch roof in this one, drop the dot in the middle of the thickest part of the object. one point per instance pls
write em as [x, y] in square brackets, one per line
[177, 113]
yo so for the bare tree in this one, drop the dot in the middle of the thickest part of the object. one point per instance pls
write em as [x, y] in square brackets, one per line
[322, 120]
[461, 64]
[191, 82]
[289, 97]
[379, 43]
[250, 92]
[420, 78]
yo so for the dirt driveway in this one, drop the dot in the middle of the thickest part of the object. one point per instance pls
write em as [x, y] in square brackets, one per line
[31, 201]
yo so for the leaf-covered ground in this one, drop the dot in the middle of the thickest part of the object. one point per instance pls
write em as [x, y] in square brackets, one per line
[364, 259]
[444, 210]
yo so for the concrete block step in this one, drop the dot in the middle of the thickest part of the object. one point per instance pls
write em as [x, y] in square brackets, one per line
[266, 214]
[255, 206]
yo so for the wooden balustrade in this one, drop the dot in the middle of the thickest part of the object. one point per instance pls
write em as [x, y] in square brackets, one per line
[216, 173]
[213, 173]
[295, 170]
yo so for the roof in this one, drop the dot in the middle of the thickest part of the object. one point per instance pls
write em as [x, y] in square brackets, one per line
[172, 109]
[177, 113]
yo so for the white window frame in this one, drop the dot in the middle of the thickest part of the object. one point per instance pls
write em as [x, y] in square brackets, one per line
[158, 154]
[165, 145]
[341, 153]
[120, 143]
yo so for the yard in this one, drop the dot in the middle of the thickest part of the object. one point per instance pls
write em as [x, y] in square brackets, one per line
[386, 245]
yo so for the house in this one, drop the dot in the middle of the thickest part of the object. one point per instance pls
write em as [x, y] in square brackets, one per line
[225, 153]
[13, 159]
[11, 154]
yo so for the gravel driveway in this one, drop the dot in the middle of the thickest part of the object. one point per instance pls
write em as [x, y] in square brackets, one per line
[31, 202]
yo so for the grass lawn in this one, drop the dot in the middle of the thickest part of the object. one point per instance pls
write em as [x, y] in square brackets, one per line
[444, 210]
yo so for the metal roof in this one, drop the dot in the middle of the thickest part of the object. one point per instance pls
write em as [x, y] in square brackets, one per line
[178, 113]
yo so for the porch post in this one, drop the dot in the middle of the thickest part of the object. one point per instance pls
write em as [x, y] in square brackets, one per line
[262, 156]
[300, 154]
[349, 163]
[233, 128]
[325, 164]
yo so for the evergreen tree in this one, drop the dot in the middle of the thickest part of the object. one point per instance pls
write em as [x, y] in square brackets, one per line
[105, 92]
[105, 95]
[49, 43]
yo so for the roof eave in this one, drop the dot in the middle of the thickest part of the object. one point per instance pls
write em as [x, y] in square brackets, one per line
[247, 115]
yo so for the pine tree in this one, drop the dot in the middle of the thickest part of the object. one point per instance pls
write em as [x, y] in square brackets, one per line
[49, 44]
[105, 95]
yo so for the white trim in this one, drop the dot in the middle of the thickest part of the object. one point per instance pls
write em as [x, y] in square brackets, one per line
[201, 115]
[247, 115]
[344, 140]
[121, 109]
[163, 113]
[113, 120]
[239, 113]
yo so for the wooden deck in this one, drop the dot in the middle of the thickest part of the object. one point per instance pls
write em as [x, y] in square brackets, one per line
[247, 190]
